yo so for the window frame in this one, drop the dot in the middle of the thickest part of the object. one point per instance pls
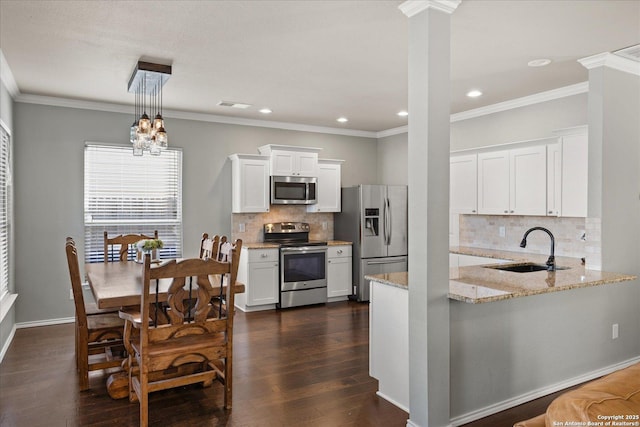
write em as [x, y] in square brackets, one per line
[170, 230]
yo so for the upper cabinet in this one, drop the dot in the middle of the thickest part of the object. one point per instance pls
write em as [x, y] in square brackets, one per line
[288, 160]
[567, 175]
[513, 182]
[250, 183]
[329, 181]
[463, 195]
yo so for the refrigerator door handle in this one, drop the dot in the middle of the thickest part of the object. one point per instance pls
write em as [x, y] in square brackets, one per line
[385, 262]
[388, 218]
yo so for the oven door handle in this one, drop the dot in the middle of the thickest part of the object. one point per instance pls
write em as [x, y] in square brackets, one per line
[304, 249]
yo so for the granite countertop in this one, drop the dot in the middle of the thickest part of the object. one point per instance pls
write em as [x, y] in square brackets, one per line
[477, 284]
[263, 245]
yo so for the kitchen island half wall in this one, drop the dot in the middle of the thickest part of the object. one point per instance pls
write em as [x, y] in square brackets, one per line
[509, 351]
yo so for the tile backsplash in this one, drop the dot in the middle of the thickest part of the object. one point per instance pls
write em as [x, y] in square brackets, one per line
[253, 222]
[483, 231]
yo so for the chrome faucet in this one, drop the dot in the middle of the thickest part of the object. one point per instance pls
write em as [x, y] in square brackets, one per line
[551, 262]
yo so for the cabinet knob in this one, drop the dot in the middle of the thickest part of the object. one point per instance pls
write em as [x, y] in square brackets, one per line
[473, 211]
[550, 212]
[263, 255]
[506, 211]
[339, 251]
[511, 212]
[329, 261]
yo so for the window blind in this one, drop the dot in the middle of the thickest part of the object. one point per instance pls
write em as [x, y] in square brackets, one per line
[5, 210]
[126, 194]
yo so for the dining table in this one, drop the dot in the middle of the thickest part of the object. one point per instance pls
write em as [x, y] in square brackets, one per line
[119, 284]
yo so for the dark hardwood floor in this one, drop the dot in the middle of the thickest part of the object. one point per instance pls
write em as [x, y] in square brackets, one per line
[296, 367]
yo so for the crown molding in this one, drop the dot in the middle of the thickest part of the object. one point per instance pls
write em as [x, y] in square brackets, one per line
[393, 131]
[176, 114]
[413, 7]
[611, 60]
[537, 98]
[7, 77]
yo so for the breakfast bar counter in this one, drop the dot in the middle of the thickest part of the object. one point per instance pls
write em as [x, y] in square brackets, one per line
[484, 283]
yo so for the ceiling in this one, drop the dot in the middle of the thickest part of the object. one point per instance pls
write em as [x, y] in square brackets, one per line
[308, 61]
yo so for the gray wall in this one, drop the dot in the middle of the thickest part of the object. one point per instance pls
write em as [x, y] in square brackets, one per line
[392, 160]
[49, 186]
[6, 114]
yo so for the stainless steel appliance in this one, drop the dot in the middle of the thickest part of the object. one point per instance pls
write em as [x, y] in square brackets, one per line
[303, 264]
[374, 218]
[293, 190]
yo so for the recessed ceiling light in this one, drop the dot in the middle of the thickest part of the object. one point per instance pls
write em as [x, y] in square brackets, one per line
[342, 119]
[266, 111]
[539, 62]
[403, 113]
[474, 93]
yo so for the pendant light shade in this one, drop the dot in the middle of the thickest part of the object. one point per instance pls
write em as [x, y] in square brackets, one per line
[147, 135]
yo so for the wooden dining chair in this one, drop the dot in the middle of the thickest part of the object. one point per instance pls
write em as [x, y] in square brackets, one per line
[99, 342]
[209, 246]
[193, 347]
[125, 244]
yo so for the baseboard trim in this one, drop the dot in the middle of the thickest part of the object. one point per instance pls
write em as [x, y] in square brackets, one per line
[7, 343]
[535, 394]
[390, 400]
[48, 322]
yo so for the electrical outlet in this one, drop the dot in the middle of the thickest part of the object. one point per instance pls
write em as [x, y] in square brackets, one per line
[324, 225]
[503, 231]
[241, 227]
[614, 331]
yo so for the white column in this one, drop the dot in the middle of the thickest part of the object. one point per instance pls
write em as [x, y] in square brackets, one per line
[614, 161]
[429, 110]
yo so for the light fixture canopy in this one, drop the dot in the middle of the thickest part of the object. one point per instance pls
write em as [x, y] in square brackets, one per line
[474, 93]
[342, 119]
[148, 79]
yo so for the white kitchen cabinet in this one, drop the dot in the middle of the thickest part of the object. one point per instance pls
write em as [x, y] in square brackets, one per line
[575, 176]
[528, 181]
[567, 176]
[463, 186]
[493, 183]
[329, 181]
[258, 271]
[513, 182]
[249, 183]
[554, 179]
[291, 161]
[339, 278]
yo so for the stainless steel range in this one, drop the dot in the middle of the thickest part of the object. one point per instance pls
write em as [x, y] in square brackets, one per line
[303, 264]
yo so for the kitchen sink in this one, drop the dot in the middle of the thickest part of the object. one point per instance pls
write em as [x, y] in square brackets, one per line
[528, 267]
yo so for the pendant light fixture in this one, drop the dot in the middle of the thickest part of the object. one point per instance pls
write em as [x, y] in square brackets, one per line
[147, 79]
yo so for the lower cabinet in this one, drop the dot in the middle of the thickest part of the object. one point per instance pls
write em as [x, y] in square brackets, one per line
[339, 276]
[258, 271]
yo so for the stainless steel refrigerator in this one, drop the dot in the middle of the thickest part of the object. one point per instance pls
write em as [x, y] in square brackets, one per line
[374, 218]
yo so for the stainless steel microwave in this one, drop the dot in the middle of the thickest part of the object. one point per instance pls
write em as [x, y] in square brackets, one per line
[294, 190]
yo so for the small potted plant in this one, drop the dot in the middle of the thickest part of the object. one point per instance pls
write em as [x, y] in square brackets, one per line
[148, 247]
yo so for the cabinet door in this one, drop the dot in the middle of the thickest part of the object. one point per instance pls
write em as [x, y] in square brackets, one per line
[463, 184]
[282, 163]
[528, 181]
[262, 286]
[493, 183]
[575, 158]
[250, 185]
[339, 273]
[554, 179]
[306, 164]
[328, 188]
